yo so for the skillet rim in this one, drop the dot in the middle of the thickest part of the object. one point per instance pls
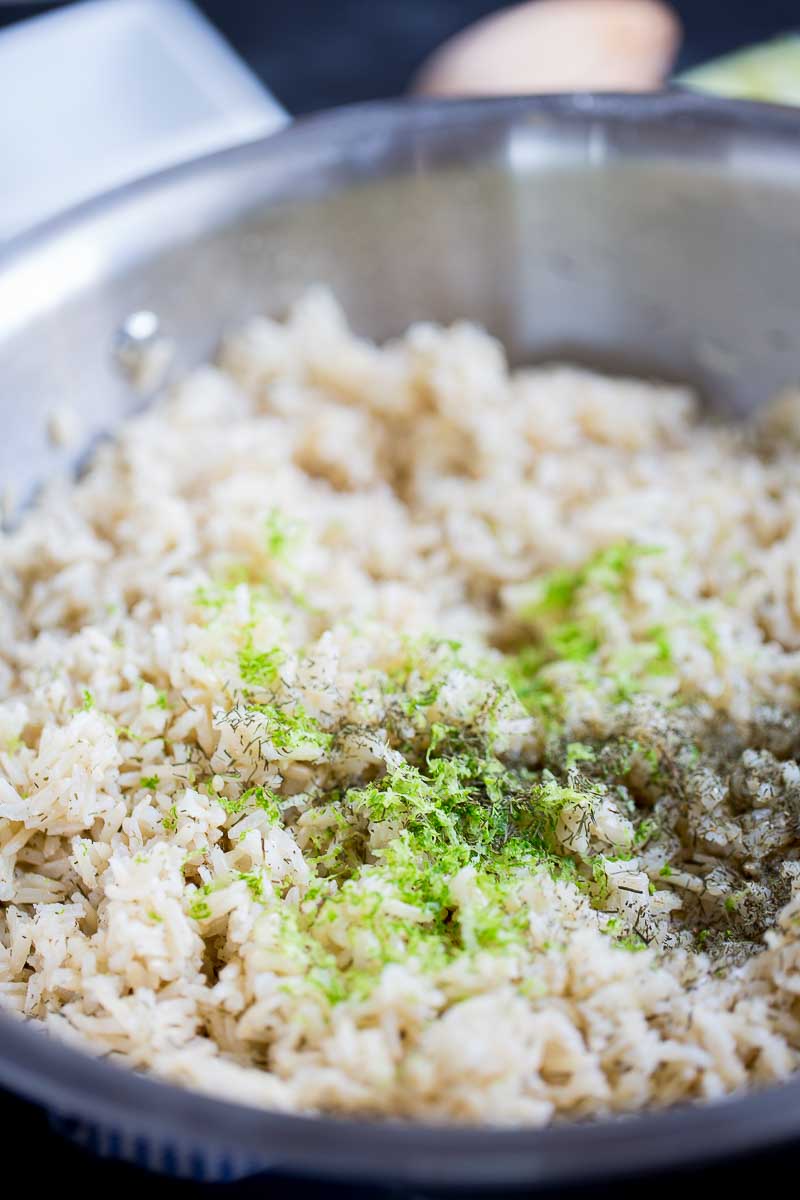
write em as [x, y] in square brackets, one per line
[71, 1083]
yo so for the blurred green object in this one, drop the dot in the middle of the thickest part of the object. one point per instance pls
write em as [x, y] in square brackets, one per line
[769, 71]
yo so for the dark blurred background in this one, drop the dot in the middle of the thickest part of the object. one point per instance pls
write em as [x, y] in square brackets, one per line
[317, 53]
[314, 54]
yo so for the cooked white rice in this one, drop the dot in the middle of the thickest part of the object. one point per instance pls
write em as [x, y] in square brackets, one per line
[274, 824]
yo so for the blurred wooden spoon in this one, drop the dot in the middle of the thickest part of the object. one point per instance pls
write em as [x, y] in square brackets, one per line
[557, 46]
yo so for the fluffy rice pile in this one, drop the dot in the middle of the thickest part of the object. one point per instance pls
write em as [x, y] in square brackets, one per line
[384, 732]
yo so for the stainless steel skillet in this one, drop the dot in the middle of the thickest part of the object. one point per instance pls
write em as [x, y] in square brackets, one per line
[656, 234]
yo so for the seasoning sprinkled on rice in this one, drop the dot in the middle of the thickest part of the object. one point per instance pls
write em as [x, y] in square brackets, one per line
[384, 732]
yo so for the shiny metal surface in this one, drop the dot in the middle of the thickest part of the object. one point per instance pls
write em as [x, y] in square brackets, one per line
[656, 234]
[141, 85]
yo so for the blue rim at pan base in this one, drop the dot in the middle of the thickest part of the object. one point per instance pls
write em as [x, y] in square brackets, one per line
[120, 1114]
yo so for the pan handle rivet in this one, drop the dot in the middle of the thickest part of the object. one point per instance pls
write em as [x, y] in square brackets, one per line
[141, 352]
